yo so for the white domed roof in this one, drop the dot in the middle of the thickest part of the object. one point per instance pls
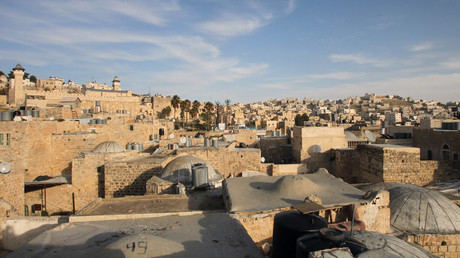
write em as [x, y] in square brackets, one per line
[108, 147]
[181, 168]
[420, 210]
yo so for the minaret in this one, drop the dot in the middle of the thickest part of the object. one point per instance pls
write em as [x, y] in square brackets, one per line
[16, 92]
[116, 83]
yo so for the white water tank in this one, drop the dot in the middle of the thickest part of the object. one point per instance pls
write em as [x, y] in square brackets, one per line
[199, 176]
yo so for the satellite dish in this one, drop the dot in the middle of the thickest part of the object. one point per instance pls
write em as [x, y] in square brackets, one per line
[171, 136]
[262, 159]
[316, 149]
[370, 136]
[183, 139]
[5, 167]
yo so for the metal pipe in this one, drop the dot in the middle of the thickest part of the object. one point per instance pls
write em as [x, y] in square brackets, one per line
[73, 203]
[352, 219]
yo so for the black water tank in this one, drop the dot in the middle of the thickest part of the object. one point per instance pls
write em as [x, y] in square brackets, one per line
[290, 225]
[327, 238]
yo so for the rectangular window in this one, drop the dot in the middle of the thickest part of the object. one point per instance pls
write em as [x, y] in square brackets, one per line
[5, 139]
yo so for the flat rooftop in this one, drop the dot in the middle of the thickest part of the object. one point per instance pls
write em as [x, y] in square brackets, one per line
[154, 204]
[202, 235]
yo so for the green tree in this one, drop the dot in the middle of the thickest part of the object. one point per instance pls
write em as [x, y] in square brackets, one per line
[218, 117]
[300, 119]
[195, 108]
[227, 111]
[175, 102]
[33, 79]
[165, 112]
[185, 108]
[207, 116]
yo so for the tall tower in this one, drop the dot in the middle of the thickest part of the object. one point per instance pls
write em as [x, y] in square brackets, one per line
[116, 83]
[16, 94]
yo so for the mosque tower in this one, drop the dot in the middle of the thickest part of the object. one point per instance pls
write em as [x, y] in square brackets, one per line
[16, 93]
[116, 83]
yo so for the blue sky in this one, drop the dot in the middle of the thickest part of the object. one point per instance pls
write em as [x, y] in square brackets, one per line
[241, 50]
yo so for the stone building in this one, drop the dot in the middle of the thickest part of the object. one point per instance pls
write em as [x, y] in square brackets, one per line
[389, 163]
[313, 145]
[438, 144]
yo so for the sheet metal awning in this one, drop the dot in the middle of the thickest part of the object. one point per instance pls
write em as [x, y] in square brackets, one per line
[58, 180]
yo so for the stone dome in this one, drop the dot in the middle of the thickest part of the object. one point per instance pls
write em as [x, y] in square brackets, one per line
[419, 210]
[180, 169]
[381, 245]
[108, 147]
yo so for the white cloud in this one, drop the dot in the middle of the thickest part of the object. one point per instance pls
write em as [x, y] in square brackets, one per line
[337, 76]
[155, 12]
[422, 47]
[451, 65]
[232, 25]
[277, 86]
[359, 59]
[443, 87]
[291, 6]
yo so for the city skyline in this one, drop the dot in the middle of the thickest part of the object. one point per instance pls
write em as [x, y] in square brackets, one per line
[247, 52]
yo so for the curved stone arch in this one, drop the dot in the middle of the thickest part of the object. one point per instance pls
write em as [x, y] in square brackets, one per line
[445, 152]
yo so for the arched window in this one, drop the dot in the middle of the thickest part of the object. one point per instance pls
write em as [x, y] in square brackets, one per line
[445, 152]
[430, 155]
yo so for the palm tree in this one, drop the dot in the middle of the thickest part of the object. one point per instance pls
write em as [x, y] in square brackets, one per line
[217, 112]
[207, 116]
[195, 108]
[185, 106]
[228, 111]
[175, 102]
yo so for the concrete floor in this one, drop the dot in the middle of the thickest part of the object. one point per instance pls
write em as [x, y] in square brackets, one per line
[204, 235]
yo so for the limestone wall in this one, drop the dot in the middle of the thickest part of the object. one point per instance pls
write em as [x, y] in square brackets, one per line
[289, 169]
[276, 150]
[128, 178]
[439, 245]
[434, 140]
[258, 226]
[228, 162]
[313, 146]
[247, 136]
[380, 163]
[371, 165]
[47, 147]
[347, 165]
[401, 165]
[11, 194]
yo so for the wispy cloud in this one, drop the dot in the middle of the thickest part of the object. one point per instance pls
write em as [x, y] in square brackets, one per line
[291, 6]
[337, 76]
[156, 12]
[422, 47]
[232, 25]
[359, 59]
[451, 65]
